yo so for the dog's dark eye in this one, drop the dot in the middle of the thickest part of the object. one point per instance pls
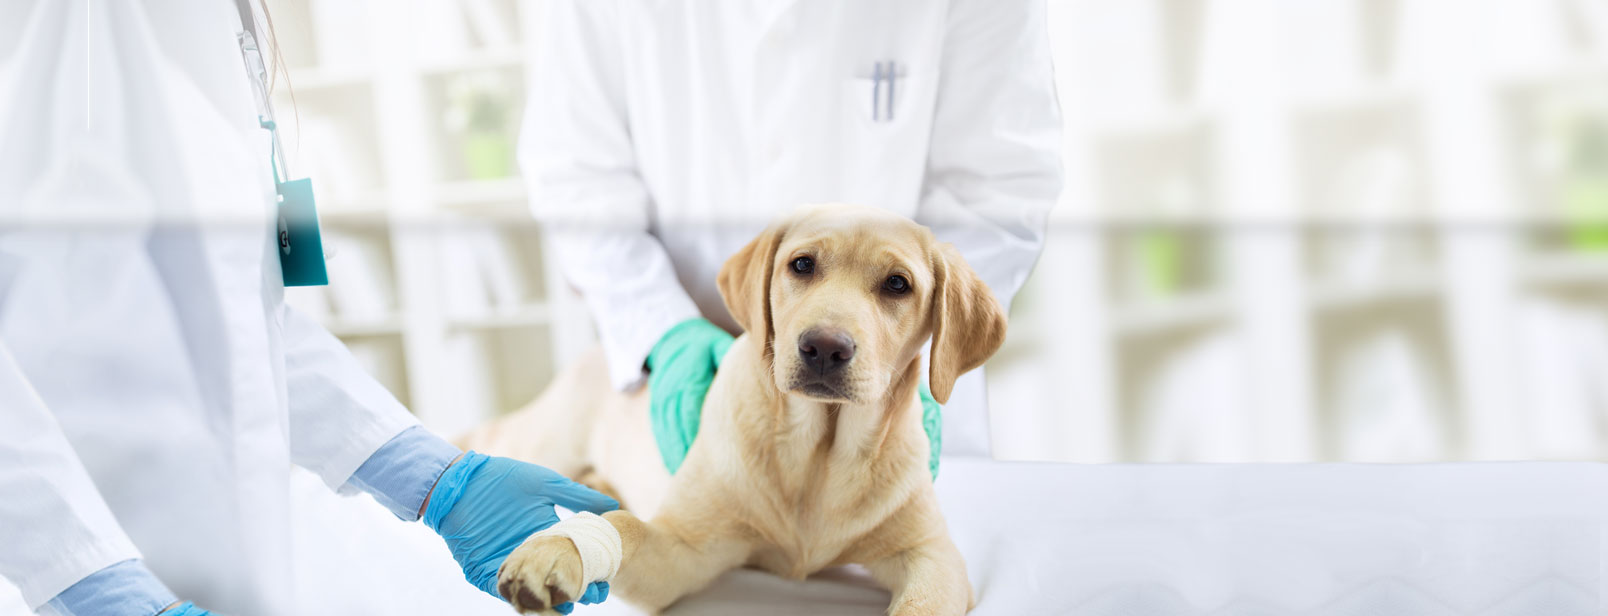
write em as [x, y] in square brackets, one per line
[896, 285]
[803, 265]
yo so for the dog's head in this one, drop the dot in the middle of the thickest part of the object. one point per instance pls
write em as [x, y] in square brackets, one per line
[844, 297]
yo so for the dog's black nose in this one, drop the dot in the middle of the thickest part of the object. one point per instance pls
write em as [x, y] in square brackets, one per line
[825, 349]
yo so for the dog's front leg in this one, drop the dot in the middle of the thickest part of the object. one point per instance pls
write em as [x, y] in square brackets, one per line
[662, 561]
[927, 580]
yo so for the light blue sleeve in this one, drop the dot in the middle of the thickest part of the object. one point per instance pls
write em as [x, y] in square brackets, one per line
[402, 472]
[127, 588]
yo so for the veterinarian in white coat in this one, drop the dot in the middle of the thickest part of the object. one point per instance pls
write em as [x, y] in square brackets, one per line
[662, 136]
[154, 388]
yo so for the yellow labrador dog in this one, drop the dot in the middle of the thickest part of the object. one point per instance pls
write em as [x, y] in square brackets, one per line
[811, 452]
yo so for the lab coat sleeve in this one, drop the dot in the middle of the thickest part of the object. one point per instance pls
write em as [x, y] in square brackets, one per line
[339, 415]
[577, 155]
[994, 162]
[54, 526]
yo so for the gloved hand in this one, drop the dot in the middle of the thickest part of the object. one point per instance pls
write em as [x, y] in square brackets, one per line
[484, 507]
[680, 368]
[185, 609]
[932, 421]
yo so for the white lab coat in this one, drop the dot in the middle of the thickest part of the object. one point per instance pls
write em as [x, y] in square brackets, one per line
[662, 136]
[154, 388]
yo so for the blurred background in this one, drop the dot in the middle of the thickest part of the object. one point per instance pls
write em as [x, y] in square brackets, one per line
[1358, 230]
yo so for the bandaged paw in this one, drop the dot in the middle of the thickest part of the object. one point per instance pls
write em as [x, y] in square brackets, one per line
[595, 538]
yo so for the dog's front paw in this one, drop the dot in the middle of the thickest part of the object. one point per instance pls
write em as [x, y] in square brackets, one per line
[541, 573]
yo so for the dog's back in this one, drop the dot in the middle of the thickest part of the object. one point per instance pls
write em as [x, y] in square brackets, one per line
[585, 430]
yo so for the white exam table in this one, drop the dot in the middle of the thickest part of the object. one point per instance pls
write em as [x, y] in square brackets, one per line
[1490, 539]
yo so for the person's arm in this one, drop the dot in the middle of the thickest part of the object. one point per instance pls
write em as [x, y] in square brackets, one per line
[340, 416]
[994, 161]
[63, 547]
[577, 155]
[348, 429]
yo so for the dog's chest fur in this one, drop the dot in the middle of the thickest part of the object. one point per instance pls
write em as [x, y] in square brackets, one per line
[823, 497]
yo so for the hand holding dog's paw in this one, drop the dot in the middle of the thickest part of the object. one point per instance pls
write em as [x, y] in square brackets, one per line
[553, 565]
[486, 508]
[542, 573]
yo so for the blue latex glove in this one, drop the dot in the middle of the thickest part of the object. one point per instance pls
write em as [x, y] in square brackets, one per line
[186, 609]
[680, 369]
[484, 507]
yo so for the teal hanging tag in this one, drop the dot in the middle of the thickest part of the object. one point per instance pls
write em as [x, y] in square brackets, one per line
[301, 247]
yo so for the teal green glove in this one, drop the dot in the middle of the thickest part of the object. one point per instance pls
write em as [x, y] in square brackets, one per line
[932, 420]
[680, 368]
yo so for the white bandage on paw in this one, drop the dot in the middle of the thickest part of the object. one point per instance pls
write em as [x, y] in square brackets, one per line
[596, 539]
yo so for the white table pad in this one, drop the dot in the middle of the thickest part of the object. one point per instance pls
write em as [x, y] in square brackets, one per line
[1494, 539]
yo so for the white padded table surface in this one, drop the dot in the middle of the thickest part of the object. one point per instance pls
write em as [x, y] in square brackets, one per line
[1524, 538]
[1495, 539]
[1278, 540]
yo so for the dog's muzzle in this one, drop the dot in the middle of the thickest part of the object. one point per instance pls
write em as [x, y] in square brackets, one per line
[824, 355]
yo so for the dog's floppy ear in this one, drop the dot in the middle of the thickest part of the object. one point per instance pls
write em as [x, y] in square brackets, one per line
[745, 282]
[968, 324]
